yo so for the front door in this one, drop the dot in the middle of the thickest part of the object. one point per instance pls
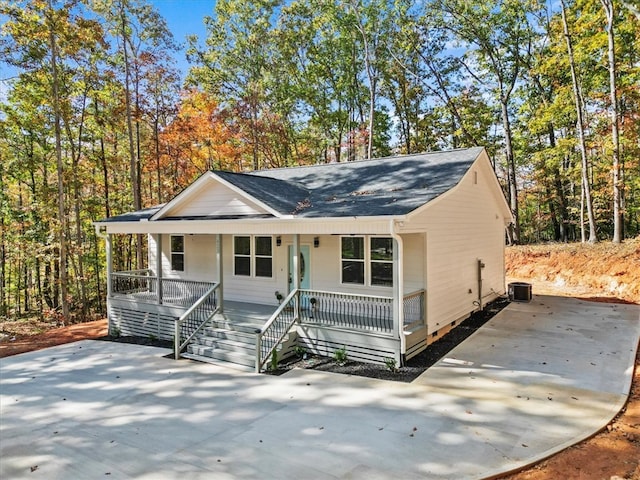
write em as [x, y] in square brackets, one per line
[305, 267]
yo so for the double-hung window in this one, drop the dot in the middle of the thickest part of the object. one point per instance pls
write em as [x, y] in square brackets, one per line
[177, 253]
[371, 265]
[253, 256]
[263, 257]
[242, 256]
[381, 258]
[353, 260]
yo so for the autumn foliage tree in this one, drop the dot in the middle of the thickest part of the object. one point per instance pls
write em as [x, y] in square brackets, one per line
[94, 120]
[200, 137]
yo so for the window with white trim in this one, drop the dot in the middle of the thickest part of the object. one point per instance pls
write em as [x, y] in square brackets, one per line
[381, 258]
[353, 260]
[242, 256]
[177, 253]
[263, 257]
[371, 266]
[253, 256]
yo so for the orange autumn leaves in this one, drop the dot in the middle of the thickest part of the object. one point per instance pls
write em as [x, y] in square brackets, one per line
[201, 137]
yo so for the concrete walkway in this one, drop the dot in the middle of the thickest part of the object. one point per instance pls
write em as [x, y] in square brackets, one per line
[538, 377]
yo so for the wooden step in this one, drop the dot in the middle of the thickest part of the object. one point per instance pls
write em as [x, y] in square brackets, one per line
[226, 334]
[227, 344]
[221, 355]
[244, 325]
[214, 361]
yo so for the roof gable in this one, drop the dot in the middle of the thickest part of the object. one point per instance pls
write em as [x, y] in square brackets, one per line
[213, 196]
[283, 196]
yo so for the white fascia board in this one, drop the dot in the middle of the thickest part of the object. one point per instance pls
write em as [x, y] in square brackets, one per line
[268, 226]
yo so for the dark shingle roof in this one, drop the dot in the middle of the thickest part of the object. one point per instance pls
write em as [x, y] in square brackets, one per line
[144, 214]
[384, 186]
[281, 195]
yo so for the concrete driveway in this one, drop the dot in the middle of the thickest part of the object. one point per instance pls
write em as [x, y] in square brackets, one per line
[538, 377]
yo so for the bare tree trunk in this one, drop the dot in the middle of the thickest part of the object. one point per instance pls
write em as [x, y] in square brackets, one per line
[103, 165]
[156, 139]
[511, 169]
[133, 163]
[3, 266]
[593, 238]
[75, 156]
[3, 245]
[368, 55]
[618, 233]
[60, 173]
[583, 236]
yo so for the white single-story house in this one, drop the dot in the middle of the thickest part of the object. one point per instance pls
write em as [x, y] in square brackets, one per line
[377, 257]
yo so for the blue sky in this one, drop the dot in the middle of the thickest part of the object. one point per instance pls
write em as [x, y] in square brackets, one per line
[184, 17]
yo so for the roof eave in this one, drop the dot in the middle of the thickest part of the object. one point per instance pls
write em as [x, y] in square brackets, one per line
[285, 225]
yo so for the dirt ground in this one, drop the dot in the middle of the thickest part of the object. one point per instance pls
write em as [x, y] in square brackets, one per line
[16, 339]
[602, 272]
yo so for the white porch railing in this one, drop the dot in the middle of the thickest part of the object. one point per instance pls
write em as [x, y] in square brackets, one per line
[366, 313]
[360, 312]
[413, 308]
[194, 319]
[273, 332]
[142, 286]
[133, 281]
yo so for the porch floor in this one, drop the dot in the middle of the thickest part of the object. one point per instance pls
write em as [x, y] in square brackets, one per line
[244, 316]
[245, 312]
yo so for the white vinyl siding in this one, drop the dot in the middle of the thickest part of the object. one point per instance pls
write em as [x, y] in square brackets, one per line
[200, 257]
[414, 248]
[216, 199]
[254, 289]
[464, 225]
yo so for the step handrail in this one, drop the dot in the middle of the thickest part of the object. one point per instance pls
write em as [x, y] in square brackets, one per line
[178, 343]
[279, 324]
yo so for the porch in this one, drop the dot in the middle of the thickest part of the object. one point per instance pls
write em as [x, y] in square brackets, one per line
[247, 333]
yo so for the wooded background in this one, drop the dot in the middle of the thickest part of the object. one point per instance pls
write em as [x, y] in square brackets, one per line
[97, 120]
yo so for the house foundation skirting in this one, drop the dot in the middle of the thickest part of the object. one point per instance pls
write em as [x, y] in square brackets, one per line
[362, 347]
[129, 322]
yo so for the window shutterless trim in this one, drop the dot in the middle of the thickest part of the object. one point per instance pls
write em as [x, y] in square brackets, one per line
[366, 261]
[175, 254]
[252, 256]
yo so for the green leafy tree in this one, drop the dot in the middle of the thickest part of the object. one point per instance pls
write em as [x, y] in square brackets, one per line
[499, 34]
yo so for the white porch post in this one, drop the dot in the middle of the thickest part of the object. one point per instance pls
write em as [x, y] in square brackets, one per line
[220, 271]
[107, 245]
[398, 291]
[108, 250]
[296, 271]
[159, 266]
